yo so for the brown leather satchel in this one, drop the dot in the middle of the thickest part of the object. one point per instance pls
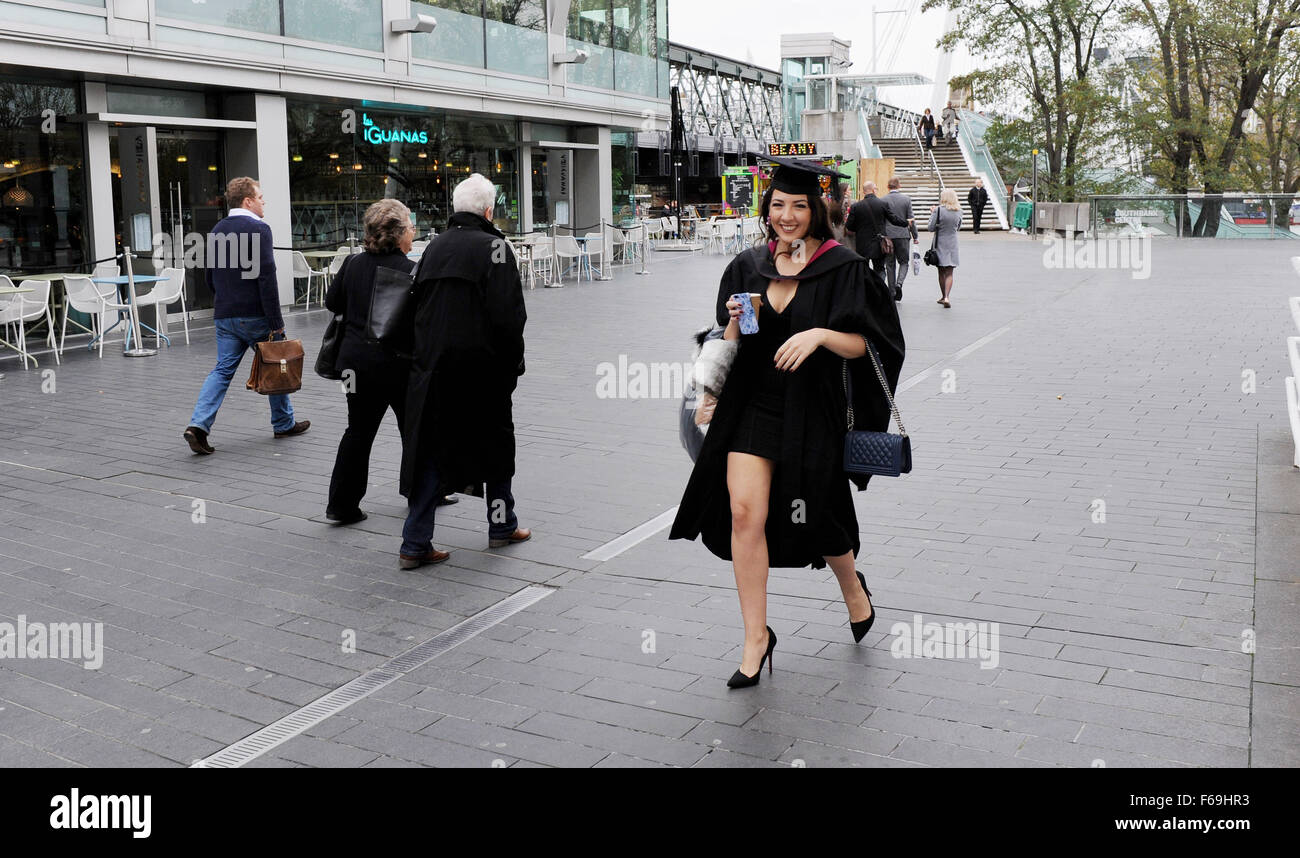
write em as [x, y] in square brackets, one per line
[277, 367]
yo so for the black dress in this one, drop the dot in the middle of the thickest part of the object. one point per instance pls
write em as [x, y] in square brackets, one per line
[759, 432]
[810, 505]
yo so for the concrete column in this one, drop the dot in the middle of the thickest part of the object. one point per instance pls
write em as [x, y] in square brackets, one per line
[593, 177]
[525, 188]
[99, 175]
[264, 155]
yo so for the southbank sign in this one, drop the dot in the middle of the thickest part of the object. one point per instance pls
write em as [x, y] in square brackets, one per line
[378, 136]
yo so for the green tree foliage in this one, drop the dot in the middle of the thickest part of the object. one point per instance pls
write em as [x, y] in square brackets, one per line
[1040, 56]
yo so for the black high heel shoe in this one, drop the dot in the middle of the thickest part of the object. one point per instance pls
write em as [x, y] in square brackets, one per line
[860, 629]
[740, 680]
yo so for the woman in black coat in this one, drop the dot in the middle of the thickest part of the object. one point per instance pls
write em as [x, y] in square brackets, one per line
[769, 487]
[379, 371]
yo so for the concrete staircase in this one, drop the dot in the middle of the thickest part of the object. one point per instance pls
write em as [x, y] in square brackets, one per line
[920, 183]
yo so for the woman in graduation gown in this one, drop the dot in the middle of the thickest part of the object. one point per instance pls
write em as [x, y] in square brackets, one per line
[769, 487]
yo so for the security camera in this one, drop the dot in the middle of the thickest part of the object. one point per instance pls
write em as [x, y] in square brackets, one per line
[571, 58]
[418, 24]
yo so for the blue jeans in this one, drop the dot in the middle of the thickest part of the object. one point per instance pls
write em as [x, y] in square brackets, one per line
[234, 337]
[417, 533]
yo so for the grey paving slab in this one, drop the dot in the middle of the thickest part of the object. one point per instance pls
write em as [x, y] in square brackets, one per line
[1121, 639]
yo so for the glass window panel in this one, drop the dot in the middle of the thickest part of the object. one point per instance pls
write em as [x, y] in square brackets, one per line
[258, 16]
[352, 23]
[150, 101]
[598, 71]
[334, 177]
[591, 21]
[516, 37]
[43, 226]
[98, 4]
[529, 14]
[459, 36]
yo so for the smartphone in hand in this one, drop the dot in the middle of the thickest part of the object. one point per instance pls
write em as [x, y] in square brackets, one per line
[748, 315]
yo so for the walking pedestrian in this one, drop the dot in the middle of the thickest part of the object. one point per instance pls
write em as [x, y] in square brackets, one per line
[468, 356]
[380, 370]
[769, 487]
[867, 222]
[978, 199]
[949, 120]
[945, 221]
[246, 309]
[896, 264]
[838, 205]
[927, 128]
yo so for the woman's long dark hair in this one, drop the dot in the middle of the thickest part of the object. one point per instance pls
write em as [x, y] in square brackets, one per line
[820, 226]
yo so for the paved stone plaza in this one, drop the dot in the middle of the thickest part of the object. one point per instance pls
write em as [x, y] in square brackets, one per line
[1039, 395]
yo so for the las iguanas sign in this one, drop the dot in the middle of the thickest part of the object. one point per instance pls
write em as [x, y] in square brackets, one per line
[377, 135]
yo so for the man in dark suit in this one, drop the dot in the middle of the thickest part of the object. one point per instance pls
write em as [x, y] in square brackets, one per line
[867, 221]
[896, 264]
[241, 274]
[978, 199]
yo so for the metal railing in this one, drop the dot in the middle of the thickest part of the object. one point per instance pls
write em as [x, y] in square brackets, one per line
[1239, 215]
[980, 159]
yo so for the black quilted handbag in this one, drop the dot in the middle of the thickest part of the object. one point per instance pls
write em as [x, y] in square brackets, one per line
[875, 453]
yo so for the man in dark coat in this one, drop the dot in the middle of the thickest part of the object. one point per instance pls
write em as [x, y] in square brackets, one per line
[978, 199]
[469, 319]
[866, 224]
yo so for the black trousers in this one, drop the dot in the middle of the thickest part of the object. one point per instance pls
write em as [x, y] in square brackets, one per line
[375, 393]
[977, 214]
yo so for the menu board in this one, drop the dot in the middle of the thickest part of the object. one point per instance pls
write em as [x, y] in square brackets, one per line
[783, 150]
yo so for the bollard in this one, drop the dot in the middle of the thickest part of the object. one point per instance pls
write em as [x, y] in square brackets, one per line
[134, 311]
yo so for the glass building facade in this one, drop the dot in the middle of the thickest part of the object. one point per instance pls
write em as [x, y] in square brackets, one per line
[321, 102]
[627, 44]
[414, 156]
[42, 177]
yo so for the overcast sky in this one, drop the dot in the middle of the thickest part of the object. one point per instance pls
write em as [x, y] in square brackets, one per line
[751, 30]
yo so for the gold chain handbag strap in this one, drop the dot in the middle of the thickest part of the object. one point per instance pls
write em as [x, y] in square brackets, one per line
[884, 385]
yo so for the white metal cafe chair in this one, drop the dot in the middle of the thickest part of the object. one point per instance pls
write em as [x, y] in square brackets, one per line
[301, 269]
[617, 245]
[543, 259]
[28, 307]
[567, 247]
[594, 247]
[634, 238]
[85, 296]
[163, 295]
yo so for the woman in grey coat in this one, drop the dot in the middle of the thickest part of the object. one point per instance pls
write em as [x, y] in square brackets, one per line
[945, 220]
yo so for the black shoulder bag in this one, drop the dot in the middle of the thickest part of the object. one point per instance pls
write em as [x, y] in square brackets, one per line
[327, 361]
[875, 453]
[932, 255]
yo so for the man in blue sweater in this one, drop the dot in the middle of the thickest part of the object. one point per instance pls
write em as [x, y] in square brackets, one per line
[241, 275]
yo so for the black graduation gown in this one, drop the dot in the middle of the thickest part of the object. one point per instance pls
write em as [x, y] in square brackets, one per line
[469, 319]
[810, 509]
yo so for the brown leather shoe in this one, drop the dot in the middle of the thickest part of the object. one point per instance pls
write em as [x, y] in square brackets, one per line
[298, 428]
[198, 441]
[433, 558]
[515, 538]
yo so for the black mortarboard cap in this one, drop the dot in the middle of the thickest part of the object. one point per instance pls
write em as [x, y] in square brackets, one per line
[793, 176]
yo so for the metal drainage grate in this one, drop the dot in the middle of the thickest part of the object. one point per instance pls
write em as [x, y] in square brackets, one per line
[295, 723]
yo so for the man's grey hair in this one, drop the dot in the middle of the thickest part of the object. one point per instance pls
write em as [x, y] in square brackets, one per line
[476, 194]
